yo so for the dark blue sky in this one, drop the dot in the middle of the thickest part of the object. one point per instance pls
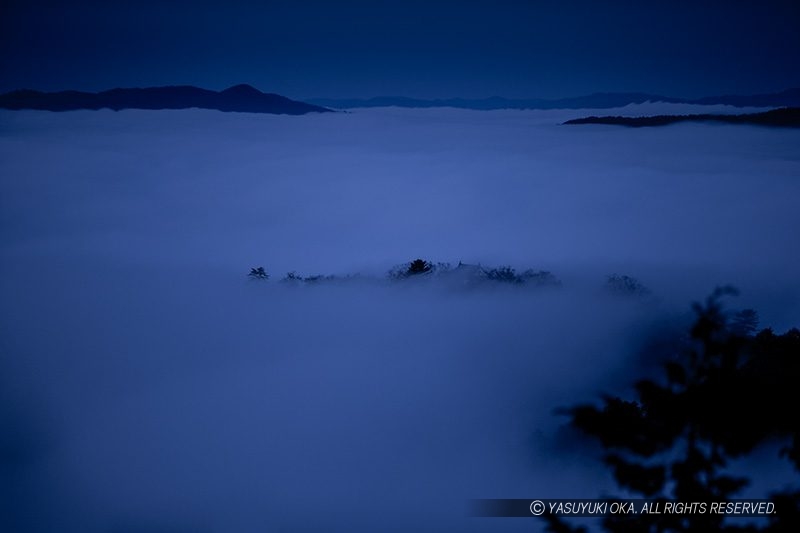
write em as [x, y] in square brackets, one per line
[315, 48]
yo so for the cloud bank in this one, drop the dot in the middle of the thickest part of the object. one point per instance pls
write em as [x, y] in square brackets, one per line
[147, 385]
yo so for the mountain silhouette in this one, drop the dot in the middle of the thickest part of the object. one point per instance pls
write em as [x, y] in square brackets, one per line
[247, 99]
[788, 117]
[240, 98]
[597, 101]
[787, 98]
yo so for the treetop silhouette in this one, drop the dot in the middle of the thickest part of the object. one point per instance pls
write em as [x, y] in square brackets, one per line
[728, 391]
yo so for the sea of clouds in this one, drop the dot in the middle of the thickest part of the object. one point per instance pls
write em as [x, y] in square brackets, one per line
[147, 385]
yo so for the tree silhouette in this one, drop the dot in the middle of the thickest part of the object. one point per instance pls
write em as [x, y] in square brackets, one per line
[418, 266]
[626, 286]
[504, 274]
[292, 277]
[258, 273]
[726, 392]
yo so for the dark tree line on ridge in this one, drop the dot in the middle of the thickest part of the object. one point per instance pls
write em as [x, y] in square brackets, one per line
[466, 274]
[422, 269]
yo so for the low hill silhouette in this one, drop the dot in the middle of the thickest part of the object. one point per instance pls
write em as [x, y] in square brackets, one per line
[788, 117]
[239, 98]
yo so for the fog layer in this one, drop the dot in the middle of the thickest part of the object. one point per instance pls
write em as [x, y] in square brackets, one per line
[147, 385]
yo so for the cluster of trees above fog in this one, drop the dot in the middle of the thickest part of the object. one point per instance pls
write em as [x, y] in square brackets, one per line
[466, 274]
[726, 390]
[472, 273]
[422, 269]
[463, 273]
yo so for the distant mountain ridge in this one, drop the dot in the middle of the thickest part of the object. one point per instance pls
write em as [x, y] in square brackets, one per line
[239, 98]
[247, 99]
[787, 98]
